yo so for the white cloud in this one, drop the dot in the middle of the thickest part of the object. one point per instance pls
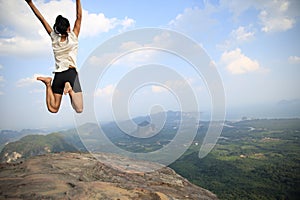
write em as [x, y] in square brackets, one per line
[94, 24]
[137, 58]
[22, 34]
[237, 63]
[15, 17]
[275, 19]
[128, 46]
[107, 91]
[158, 89]
[22, 46]
[133, 54]
[242, 34]
[24, 82]
[2, 80]
[127, 23]
[194, 20]
[172, 85]
[238, 36]
[20, 31]
[274, 15]
[37, 91]
[294, 59]
[1, 83]
[141, 53]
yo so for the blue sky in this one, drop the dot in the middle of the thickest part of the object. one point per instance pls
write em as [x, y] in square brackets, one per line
[254, 45]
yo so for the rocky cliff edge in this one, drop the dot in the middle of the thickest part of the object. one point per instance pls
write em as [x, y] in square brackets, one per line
[82, 176]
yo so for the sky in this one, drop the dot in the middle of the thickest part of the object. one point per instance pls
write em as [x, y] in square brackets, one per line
[253, 44]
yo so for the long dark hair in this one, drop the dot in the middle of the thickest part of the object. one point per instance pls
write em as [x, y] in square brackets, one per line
[61, 25]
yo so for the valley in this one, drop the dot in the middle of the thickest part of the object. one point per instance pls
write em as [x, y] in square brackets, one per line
[253, 159]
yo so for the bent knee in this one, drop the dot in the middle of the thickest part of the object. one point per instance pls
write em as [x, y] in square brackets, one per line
[79, 110]
[53, 109]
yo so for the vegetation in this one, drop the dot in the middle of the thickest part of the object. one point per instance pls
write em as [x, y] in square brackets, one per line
[7, 136]
[255, 159]
[32, 145]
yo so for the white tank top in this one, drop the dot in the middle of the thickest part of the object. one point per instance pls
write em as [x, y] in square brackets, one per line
[65, 53]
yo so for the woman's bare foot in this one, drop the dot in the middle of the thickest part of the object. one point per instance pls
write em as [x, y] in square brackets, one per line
[46, 80]
[68, 88]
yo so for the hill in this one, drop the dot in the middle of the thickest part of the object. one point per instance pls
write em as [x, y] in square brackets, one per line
[32, 145]
[7, 136]
[81, 176]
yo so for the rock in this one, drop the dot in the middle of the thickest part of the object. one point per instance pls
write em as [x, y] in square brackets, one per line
[82, 176]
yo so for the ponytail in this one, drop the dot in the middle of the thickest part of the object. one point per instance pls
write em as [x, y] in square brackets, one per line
[61, 25]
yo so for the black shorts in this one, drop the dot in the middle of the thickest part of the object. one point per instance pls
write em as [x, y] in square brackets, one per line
[60, 78]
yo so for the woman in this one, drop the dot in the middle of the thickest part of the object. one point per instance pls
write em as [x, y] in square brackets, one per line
[65, 46]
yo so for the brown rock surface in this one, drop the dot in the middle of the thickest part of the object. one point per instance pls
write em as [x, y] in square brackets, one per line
[81, 176]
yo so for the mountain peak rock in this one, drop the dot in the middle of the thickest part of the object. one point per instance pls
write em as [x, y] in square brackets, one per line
[82, 176]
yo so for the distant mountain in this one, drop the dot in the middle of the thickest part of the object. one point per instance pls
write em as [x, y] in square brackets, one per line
[293, 102]
[144, 123]
[169, 117]
[290, 108]
[7, 136]
[71, 136]
[33, 145]
[144, 130]
[146, 134]
[81, 176]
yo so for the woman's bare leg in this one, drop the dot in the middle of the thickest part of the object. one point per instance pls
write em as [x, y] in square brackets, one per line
[76, 98]
[53, 100]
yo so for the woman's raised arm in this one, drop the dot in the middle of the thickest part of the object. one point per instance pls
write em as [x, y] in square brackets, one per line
[77, 24]
[39, 16]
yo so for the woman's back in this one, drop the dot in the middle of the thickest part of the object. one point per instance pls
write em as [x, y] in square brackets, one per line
[65, 52]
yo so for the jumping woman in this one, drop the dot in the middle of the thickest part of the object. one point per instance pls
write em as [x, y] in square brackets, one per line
[65, 46]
